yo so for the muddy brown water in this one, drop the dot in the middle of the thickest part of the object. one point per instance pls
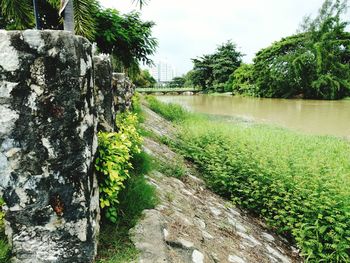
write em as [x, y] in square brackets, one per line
[307, 116]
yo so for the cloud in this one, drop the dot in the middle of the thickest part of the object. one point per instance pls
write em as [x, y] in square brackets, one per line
[186, 29]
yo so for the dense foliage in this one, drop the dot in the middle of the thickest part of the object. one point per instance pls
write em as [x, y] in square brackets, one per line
[177, 82]
[18, 14]
[242, 81]
[126, 37]
[113, 162]
[300, 184]
[4, 246]
[212, 72]
[144, 80]
[312, 64]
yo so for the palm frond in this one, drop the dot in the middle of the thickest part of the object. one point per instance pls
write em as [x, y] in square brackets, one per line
[141, 3]
[19, 12]
[84, 11]
[54, 3]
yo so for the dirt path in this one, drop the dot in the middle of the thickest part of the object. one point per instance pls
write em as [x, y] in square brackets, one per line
[192, 224]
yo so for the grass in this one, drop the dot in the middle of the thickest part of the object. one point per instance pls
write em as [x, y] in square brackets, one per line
[115, 245]
[4, 248]
[174, 169]
[171, 112]
[299, 183]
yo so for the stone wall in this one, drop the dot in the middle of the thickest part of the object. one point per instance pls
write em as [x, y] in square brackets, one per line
[48, 141]
[113, 92]
[104, 94]
[124, 90]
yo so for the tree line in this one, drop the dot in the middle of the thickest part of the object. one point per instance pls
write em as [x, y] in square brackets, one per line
[312, 64]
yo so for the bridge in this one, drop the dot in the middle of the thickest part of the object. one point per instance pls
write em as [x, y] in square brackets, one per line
[165, 91]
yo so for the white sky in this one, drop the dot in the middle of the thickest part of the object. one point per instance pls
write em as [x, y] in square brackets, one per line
[186, 29]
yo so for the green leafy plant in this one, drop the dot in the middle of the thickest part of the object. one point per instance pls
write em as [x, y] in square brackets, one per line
[299, 183]
[114, 161]
[4, 246]
[115, 244]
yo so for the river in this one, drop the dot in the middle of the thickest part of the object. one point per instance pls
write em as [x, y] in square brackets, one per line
[307, 116]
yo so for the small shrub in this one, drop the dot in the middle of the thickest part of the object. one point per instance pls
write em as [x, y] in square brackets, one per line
[142, 163]
[114, 161]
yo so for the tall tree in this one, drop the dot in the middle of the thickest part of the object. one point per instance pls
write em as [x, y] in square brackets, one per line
[313, 64]
[211, 72]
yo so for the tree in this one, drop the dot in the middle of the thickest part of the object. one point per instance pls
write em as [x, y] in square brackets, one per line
[126, 37]
[144, 80]
[177, 82]
[202, 72]
[329, 43]
[225, 61]
[313, 64]
[211, 72]
[241, 80]
[273, 70]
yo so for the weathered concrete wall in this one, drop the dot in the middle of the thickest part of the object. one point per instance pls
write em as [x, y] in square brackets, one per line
[47, 145]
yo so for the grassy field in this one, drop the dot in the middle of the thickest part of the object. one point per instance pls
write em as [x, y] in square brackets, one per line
[300, 184]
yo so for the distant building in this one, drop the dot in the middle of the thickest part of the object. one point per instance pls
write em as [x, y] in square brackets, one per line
[162, 72]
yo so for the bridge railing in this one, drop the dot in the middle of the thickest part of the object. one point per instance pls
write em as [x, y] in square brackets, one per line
[161, 89]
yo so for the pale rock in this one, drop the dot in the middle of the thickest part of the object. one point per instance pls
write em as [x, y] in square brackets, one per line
[197, 257]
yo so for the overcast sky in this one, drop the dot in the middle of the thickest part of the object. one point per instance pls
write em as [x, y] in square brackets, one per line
[186, 29]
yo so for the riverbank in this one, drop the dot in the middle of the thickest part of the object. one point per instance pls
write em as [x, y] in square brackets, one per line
[298, 183]
[305, 116]
[191, 223]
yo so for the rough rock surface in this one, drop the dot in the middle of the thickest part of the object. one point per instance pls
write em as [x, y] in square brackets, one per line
[47, 145]
[192, 224]
[105, 93]
[124, 90]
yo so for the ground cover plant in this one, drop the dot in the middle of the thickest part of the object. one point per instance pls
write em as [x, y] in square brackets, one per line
[300, 184]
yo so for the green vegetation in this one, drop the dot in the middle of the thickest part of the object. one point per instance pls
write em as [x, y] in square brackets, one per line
[171, 112]
[115, 245]
[174, 169]
[18, 14]
[211, 72]
[144, 80]
[299, 184]
[126, 37]
[124, 191]
[312, 64]
[177, 82]
[114, 161]
[4, 249]
[4, 246]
